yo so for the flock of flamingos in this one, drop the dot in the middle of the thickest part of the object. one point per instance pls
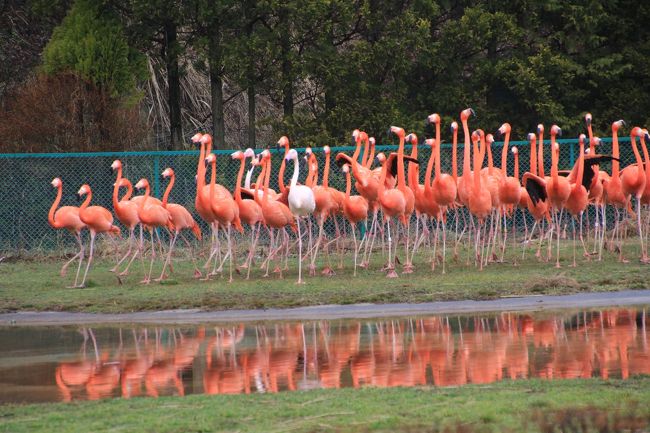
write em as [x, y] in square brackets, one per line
[291, 356]
[388, 196]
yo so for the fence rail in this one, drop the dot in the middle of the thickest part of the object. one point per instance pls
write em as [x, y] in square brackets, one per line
[26, 194]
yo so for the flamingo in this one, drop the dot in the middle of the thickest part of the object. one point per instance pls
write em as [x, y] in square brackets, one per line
[464, 182]
[250, 211]
[634, 181]
[510, 188]
[479, 200]
[302, 203]
[537, 201]
[355, 209]
[596, 191]
[613, 192]
[67, 217]
[181, 219]
[337, 196]
[127, 213]
[202, 198]
[409, 197]
[224, 209]
[276, 214]
[443, 187]
[98, 220]
[578, 198]
[152, 215]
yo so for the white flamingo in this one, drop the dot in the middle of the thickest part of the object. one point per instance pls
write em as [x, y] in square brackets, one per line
[301, 203]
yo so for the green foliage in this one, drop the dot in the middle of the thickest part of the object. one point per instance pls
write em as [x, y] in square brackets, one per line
[91, 42]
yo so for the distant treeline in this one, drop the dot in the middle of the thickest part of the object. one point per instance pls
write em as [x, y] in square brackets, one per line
[108, 74]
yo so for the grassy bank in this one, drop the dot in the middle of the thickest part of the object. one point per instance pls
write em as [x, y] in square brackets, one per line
[36, 285]
[507, 406]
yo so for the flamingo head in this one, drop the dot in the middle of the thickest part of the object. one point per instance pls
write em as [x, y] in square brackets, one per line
[372, 141]
[265, 155]
[397, 131]
[356, 137]
[142, 184]
[475, 136]
[283, 142]
[489, 138]
[514, 150]
[205, 139]
[556, 147]
[210, 159]
[326, 150]
[556, 131]
[381, 158]
[117, 164]
[503, 130]
[249, 153]
[433, 118]
[636, 132]
[85, 189]
[345, 168]
[167, 173]
[616, 125]
[596, 141]
[645, 135]
[582, 138]
[255, 161]
[292, 155]
[454, 127]
[540, 128]
[56, 182]
[532, 138]
[123, 182]
[238, 155]
[464, 115]
[587, 151]
[412, 138]
[196, 138]
[430, 142]
[588, 119]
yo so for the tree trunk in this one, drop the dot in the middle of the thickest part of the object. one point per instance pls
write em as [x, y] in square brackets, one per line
[251, 116]
[216, 91]
[174, 83]
[287, 66]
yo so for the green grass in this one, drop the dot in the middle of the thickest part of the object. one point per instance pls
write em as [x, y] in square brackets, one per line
[36, 285]
[525, 405]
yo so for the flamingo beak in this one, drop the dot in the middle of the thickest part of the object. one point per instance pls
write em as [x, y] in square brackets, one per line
[588, 121]
[623, 122]
[559, 132]
[498, 134]
[471, 110]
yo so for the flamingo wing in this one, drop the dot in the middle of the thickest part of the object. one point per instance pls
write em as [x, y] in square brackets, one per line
[590, 172]
[536, 187]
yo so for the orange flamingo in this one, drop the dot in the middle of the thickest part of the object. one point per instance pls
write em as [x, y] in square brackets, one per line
[152, 216]
[613, 192]
[355, 209]
[579, 198]
[634, 181]
[67, 217]
[479, 200]
[276, 214]
[537, 200]
[181, 220]
[510, 188]
[464, 182]
[409, 197]
[250, 211]
[127, 213]
[326, 206]
[98, 220]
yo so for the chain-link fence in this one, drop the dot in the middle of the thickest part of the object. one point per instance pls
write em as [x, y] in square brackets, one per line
[26, 194]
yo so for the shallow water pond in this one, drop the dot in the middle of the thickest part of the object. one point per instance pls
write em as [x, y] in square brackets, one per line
[79, 363]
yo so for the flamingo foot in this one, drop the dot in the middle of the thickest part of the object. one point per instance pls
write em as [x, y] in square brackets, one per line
[408, 268]
[277, 270]
[328, 272]
[392, 274]
[244, 266]
[145, 281]
[312, 270]
[124, 273]
[363, 265]
[197, 273]
[300, 282]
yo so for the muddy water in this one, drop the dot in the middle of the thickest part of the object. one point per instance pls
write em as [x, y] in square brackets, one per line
[78, 363]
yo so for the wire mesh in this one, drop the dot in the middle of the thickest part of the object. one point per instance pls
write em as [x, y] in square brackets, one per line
[26, 194]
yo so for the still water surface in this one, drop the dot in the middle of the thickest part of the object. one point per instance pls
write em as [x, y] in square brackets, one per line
[79, 363]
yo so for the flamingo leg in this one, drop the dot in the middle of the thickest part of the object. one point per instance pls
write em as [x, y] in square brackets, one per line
[299, 252]
[147, 278]
[90, 257]
[391, 268]
[444, 243]
[81, 258]
[354, 238]
[64, 268]
[197, 272]
[573, 226]
[128, 252]
[172, 242]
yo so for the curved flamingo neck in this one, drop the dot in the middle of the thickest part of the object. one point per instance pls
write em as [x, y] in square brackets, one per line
[477, 166]
[355, 155]
[581, 164]
[147, 192]
[326, 171]
[540, 155]
[312, 172]
[437, 150]
[129, 190]
[249, 175]
[364, 157]
[466, 151]
[57, 200]
[554, 160]
[615, 154]
[296, 173]
[488, 148]
[168, 190]
[517, 166]
[238, 184]
[382, 179]
[504, 154]
[267, 178]
[283, 166]
[427, 175]
[371, 157]
[259, 183]
[401, 179]
[213, 179]
[592, 144]
[200, 170]
[635, 149]
[646, 157]
[414, 169]
[348, 185]
[454, 156]
[533, 156]
[116, 188]
[86, 202]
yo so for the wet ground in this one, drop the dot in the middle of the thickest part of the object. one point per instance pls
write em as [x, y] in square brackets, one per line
[78, 362]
